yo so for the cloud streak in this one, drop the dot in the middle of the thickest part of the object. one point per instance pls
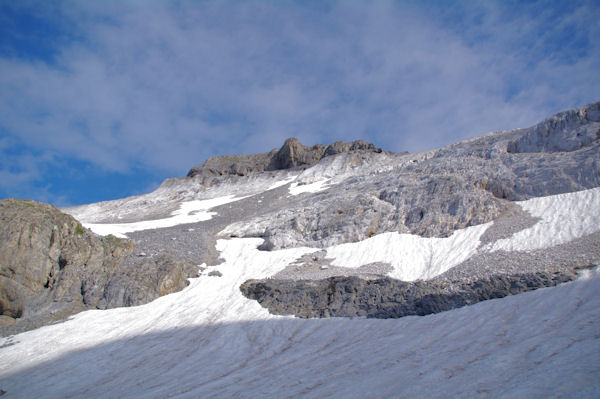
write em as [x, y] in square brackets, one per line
[161, 86]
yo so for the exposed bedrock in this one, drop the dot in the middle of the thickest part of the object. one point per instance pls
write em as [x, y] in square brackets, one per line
[291, 155]
[564, 132]
[433, 194]
[386, 297]
[51, 267]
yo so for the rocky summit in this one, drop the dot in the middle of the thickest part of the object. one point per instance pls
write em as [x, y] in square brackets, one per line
[284, 268]
[291, 155]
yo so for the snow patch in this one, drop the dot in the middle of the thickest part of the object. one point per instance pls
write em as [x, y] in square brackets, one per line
[564, 217]
[282, 182]
[412, 257]
[315, 187]
[188, 212]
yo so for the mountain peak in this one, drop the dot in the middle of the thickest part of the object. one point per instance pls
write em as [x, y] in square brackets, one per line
[291, 155]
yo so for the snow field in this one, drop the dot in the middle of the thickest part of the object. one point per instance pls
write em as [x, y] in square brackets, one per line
[511, 347]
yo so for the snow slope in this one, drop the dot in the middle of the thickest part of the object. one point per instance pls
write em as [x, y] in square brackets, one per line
[210, 341]
[513, 347]
[564, 217]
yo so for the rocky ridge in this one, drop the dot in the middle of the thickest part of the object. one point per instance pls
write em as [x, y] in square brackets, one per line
[291, 155]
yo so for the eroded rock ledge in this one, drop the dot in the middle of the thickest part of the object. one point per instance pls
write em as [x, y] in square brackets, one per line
[51, 267]
[386, 298]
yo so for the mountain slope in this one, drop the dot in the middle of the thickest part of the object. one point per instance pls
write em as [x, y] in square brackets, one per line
[504, 204]
[200, 343]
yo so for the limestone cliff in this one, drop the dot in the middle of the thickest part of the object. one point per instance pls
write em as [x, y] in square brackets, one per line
[51, 267]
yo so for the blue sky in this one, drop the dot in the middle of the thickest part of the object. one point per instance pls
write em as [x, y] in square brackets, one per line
[101, 100]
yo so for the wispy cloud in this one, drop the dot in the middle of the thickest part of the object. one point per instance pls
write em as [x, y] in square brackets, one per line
[163, 85]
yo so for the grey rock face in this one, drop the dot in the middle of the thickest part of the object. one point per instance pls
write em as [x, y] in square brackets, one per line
[435, 193]
[386, 297]
[50, 267]
[329, 222]
[39, 248]
[561, 133]
[291, 155]
[145, 282]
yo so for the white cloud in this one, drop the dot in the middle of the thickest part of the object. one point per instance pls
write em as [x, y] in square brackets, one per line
[165, 85]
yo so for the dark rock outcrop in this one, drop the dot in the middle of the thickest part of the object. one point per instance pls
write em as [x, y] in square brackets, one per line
[386, 297]
[292, 155]
[51, 267]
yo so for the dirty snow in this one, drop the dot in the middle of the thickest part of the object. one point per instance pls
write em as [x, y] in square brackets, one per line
[315, 187]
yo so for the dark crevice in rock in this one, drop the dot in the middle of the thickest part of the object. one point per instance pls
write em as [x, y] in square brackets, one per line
[62, 262]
